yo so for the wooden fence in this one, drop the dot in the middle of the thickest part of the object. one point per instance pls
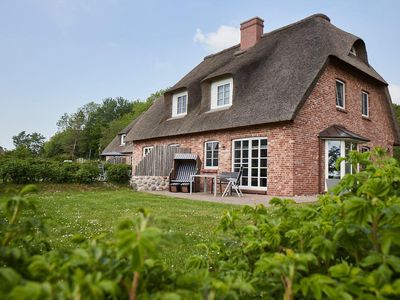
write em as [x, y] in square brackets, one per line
[159, 161]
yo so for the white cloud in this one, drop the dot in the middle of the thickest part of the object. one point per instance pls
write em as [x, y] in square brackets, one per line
[394, 90]
[224, 37]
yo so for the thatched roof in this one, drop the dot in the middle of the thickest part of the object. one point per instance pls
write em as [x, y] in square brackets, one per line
[270, 80]
[115, 148]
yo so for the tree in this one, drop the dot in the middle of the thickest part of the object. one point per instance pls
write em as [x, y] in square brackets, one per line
[32, 141]
[138, 107]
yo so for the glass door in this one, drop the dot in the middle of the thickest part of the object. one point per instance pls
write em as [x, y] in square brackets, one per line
[252, 155]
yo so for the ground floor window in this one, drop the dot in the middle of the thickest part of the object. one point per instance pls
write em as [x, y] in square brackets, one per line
[147, 150]
[252, 155]
[211, 154]
[334, 150]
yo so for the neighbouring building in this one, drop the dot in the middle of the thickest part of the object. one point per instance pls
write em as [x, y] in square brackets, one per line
[283, 104]
[119, 150]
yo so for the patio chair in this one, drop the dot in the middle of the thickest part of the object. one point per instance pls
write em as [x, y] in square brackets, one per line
[233, 183]
[223, 179]
[185, 165]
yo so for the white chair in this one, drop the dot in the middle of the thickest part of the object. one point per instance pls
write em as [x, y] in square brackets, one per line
[233, 183]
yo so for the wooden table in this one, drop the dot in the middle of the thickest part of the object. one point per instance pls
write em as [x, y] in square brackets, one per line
[205, 176]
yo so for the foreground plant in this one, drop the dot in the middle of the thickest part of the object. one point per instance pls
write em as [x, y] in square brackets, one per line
[347, 246]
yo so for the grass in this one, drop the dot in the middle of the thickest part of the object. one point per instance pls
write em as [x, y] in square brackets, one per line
[95, 210]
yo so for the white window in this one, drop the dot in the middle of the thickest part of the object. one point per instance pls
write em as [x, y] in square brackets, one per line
[147, 150]
[211, 154]
[365, 104]
[333, 150]
[252, 155]
[340, 94]
[353, 51]
[221, 93]
[123, 136]
[174, 145]
[179, 104]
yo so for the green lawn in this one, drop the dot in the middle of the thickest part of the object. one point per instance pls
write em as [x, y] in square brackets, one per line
[94, 210]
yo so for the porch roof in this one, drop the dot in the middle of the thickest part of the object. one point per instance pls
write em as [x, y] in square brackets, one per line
[341, 133]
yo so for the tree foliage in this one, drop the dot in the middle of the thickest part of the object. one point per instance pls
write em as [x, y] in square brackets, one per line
[92, 127]
[33, 142]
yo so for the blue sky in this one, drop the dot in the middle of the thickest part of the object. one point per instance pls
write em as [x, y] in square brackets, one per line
[57, 55]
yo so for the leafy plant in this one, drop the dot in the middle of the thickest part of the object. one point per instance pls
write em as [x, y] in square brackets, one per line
[118, 173]
[346, 246]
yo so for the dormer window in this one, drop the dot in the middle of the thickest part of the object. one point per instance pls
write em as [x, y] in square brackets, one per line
[179, 104]
[221, 93]
[353, 51]
[122, 141]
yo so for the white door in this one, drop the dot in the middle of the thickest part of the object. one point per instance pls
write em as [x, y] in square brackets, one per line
[252, 155]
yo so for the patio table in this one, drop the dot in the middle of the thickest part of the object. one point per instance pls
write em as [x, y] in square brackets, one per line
[205, 176]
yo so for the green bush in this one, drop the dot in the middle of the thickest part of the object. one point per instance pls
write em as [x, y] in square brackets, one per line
[87, 173]
[118, 173]
[346, 246]
[16, 170]
[33, 170]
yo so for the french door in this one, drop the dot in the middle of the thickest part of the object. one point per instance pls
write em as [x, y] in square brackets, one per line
[252, 155]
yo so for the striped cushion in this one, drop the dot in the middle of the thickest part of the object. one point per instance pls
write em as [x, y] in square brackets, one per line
[184, 171]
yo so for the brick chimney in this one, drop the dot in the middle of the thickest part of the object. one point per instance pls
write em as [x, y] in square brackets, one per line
[251, 32]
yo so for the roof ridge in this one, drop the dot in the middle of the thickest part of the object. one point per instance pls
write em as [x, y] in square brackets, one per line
[314, 16]
[222, 51]
[317, 15]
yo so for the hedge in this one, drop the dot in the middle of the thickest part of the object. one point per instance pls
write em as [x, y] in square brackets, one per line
[32, 170]
[118, 173]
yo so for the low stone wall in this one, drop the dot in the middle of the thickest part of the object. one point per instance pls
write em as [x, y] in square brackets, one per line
[149, 183]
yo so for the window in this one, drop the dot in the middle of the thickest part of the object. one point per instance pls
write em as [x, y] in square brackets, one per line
[179, 104]
[221, 93]
[365, 104]
[340, 94]
[123, 136]
[211, 154]
[334, 150]
[174, 145]
[365, 149]
[353, 51]
[252, 155]
[147, 150]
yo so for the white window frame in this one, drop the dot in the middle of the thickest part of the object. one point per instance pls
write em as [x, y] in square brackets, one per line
[212, 155]
[353, 51]
[362, 103]
[122, 140]
[342, 170]
[147, 150]
[248, 186]
[175, 104]
[174, 145]
[214, 93]
[344, 94]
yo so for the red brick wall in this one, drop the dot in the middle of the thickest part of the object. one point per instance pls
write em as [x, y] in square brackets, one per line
[319, 112]
[280, 148]
[295, 153]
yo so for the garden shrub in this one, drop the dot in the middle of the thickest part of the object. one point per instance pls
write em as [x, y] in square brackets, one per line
[346, 246]
[118, 173]
[31, 170]
[87, 173]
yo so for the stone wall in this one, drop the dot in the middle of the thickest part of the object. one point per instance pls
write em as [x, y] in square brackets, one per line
[149, 183]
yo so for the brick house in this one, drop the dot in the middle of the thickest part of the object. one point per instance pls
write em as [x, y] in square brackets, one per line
[283, 104]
